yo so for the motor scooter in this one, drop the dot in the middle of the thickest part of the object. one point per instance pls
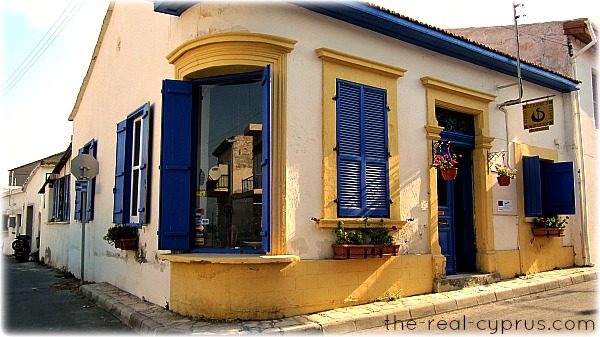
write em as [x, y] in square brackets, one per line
[21, 247]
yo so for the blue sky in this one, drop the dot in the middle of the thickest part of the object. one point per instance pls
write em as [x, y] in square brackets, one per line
[33, 114]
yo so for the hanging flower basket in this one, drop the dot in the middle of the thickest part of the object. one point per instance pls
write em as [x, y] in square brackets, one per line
[504, 180]
[449, 173]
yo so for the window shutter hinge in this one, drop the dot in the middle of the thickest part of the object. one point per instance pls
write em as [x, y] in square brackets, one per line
[114, 190]
[387, 107]
[335, 200]
[334, 98]
[390, 201]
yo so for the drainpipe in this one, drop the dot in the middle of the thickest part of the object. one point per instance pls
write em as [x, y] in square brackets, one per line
[579, 154]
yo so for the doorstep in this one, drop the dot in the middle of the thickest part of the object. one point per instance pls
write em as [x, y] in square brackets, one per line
[463, 280]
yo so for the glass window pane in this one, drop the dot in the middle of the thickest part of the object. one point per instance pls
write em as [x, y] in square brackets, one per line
[137, 140]
[135, 178]
[229, 191]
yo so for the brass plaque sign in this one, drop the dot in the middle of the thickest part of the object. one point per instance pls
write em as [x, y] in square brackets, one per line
[538, 115]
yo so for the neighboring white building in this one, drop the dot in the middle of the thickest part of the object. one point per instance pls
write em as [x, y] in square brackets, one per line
[354, 101]
[22, 206]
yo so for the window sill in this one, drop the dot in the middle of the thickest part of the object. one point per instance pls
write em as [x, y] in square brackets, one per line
[58, 223]
[228, 258]
[358, 223]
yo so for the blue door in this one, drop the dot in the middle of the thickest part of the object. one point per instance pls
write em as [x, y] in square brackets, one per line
[455, 209]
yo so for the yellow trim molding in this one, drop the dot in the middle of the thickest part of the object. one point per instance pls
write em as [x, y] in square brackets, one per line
[461, 99]
[226, 53]
[348, 60]
[337, 65]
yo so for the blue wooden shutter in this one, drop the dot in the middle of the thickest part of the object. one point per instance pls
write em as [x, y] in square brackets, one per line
[176, 211]
[144, 163]
[558, 188]
[376, 197]
[266, 159]
[119, 189]
[349, 148]
[91, 185]
[362, 145]
[66, 198]
[532, 184]
[77, 215]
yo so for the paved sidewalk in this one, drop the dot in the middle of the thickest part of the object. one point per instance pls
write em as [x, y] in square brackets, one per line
[148, 318]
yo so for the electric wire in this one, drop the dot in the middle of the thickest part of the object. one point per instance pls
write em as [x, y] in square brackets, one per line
[47, 43]
[34, 48]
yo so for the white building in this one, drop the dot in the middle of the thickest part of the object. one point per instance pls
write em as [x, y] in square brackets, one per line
[354, 102]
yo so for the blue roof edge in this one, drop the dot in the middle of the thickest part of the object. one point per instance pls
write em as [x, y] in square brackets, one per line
[377, 20]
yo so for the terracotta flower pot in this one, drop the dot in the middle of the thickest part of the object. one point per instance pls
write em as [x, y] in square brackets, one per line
[503, 180]
[548, 232]
[381, 250]
[449, 173]
[126, 244]
[351, 251]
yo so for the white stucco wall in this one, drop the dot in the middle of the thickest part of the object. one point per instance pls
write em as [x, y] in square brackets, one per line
[54, 249]
[16, 203]
[132, 64]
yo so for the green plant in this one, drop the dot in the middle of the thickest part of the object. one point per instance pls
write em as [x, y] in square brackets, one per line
[504, 170]
[445, 161]
[117, 232]
[345, 236]
[552, 221]
[380, 235]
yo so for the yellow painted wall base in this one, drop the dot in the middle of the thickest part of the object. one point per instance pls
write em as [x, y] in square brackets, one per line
[544, 256]
[276, 290]
[508, 263]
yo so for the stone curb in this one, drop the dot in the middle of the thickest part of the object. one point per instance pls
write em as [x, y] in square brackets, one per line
[151, 319]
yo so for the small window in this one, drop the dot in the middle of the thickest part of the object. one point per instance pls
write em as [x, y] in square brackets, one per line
[549, 188]
[5, 223]
[60, 199]
[131, 168]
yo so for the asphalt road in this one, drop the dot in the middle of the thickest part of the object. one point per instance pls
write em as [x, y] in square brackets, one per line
[41, 300]
[572, 309]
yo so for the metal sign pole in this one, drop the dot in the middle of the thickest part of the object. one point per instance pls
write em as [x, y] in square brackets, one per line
[84, 167]
[83, 220]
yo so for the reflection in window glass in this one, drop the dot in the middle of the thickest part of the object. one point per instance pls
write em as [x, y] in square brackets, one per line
[228, 176]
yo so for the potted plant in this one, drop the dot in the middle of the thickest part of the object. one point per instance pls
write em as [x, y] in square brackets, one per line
[446, 163]
[549, 226]
[384, 243]
[123, 237]
[349, 244]
[505, 174]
